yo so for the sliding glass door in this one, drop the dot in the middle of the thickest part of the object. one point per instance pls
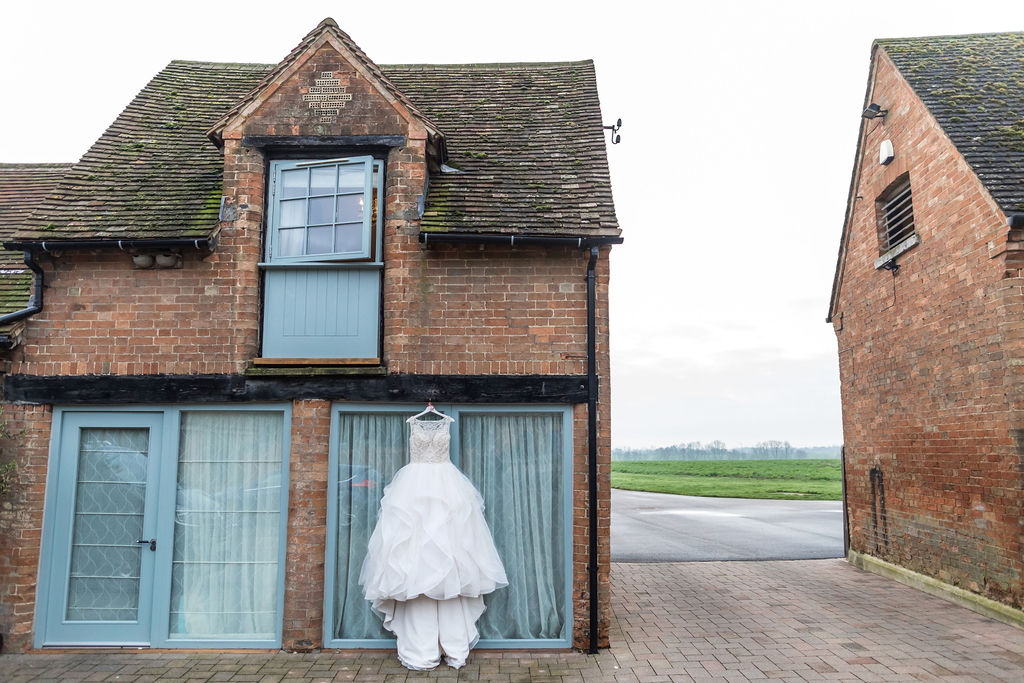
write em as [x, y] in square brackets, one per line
[165, 528]
[518, 457]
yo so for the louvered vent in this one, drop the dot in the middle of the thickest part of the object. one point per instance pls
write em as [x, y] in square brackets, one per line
[898, 211]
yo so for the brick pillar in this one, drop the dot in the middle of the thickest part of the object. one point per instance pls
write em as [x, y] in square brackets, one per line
[21, 521]
[307, 526]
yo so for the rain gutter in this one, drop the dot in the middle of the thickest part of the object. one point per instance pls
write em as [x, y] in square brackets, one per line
[35, 302]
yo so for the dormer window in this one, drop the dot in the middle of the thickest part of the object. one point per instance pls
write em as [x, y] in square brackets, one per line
[323, 266]
[323, 210]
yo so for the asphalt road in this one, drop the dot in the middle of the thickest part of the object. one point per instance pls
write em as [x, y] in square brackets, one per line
[660, 527]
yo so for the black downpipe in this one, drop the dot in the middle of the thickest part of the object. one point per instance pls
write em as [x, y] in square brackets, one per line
[35, 302]
[846, 509]
[592, 442]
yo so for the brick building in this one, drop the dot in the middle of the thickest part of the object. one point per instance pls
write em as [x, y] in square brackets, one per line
[251, 279]
[928, 310]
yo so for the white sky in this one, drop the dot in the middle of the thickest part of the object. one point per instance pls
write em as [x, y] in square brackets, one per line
[740, 122]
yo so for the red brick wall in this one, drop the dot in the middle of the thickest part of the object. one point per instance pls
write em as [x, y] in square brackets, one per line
[927, 363]
[21, 521]
[447, 310]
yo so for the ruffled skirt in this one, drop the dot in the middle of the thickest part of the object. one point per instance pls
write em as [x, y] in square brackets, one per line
[431, 541]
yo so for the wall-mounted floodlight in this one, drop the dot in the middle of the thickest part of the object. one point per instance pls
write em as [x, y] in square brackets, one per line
[615, 129]
[874, 111]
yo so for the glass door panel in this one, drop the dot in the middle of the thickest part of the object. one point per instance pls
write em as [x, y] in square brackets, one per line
[371, 448]
[227, 522]
[110, 506]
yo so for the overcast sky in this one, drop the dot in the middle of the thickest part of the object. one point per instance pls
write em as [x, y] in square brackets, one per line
[739, 126]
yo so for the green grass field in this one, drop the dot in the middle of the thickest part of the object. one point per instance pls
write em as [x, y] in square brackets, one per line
[784, 479]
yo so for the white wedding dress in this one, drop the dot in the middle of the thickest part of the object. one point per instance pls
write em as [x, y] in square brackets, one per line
[431, 557]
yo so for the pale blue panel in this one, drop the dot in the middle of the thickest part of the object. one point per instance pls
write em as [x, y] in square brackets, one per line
[321, 313]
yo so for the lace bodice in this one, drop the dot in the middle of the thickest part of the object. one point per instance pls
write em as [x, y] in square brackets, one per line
[429, 441]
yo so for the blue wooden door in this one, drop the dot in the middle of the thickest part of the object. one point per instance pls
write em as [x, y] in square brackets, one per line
[100, 584]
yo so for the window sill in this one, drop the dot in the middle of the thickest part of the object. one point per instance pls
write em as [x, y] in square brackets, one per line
[268, 368]
[320, 264]
[900, 249]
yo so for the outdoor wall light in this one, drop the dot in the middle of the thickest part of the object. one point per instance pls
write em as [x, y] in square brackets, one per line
[874, 111]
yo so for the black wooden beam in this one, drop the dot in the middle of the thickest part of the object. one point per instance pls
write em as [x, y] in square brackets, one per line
[323, 140]
[134, 389]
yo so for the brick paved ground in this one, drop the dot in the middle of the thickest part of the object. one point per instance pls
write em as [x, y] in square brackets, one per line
[735, 621]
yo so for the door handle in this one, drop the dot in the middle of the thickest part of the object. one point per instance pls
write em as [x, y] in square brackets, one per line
[151, 542]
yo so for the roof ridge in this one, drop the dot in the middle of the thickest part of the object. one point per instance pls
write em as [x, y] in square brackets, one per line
[39, 165]
[203, 62]
[951, 36]
[485, 65]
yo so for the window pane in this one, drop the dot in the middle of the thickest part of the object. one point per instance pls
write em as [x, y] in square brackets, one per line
[293, 213]
[319, 240]
[293, 183]
[320, 210]
[109, 504]
[290, 242]
[348, 237]
[322, 179]
[516, 461]
[350, 208]
[351, 178]
[224, 574]
[371, 448]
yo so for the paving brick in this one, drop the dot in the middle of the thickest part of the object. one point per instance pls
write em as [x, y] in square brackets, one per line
[735, 621]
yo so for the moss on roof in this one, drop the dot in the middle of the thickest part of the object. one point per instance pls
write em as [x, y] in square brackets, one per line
[22, 186]
[527, 138]
[974, 87]
[151, 174]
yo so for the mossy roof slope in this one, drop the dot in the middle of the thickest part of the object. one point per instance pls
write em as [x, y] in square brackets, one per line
[153, 173]
[527, 139]
[529, 143]
[22, 187]
[974, 87]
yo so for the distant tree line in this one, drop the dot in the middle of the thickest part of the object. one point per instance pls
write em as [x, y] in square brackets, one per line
[717, 450]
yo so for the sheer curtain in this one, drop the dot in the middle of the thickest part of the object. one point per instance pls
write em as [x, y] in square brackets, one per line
[226, 526]
[371, 448]
[516, 462]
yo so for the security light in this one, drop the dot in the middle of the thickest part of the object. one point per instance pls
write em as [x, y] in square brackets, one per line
[874, 111]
